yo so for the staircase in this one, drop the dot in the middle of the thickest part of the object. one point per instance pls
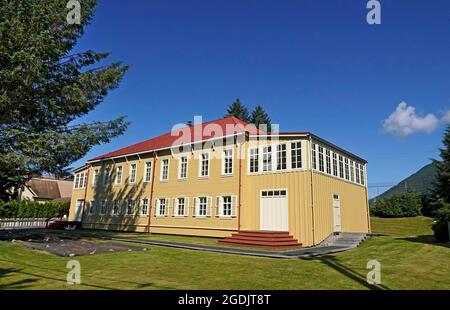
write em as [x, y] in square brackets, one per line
[261, 238]
[349, 240]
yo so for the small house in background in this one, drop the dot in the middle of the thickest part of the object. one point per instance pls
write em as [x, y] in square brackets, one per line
[46, 188]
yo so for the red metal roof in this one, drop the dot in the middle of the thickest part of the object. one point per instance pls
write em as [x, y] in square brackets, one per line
[187, 134]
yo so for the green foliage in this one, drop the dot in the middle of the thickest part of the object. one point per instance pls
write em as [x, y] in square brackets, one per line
[44, 89]
[406, 204]
[442, 184]
[238, 110]
[27, 209]
[259, 117]
[442, 217]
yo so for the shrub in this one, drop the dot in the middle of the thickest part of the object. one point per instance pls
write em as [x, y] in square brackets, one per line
[27, 209]
[442, 217]
[406, 204]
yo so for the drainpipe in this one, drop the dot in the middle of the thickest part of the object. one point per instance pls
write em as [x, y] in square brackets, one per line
[239, 187]
[312, 188]
[151, 192]
[367, 199]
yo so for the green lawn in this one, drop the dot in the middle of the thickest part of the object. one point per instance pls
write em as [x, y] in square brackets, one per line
[406, 263]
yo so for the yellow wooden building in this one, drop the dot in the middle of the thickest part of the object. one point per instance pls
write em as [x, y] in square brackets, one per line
[223, 177]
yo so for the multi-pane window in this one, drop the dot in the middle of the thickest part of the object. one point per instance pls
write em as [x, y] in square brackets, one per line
[204, 165]
[202, 206]
[180, 206]
[227, 206]
[183, 167]
[296, 155]
[116, 207]
[352, 171]
[91, 208]
[347, 171]
[267, 158]
[95, 177]
[106, 176]
[254, 160]
[130, 206]
[341, 167]
[80, 180]
[335, 165]
[363, 178]
[328, 161]
[228, 161]
[314, 164]
[103, 207]
[119, 171]
[144, 209]
[132, 173]
[148, 172]
[281, 157]
[321, 162]
[161, 209]
[357, 173]
[165, 170]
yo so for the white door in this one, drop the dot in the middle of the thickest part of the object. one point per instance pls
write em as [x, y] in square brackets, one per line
[79, 210]
[336, 213]
[274, 210]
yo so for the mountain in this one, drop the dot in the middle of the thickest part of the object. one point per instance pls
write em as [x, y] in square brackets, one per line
[421, 182]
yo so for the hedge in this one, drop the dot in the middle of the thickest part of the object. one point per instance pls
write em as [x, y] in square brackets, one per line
[406, 204]
[27, 209]
[442, 218]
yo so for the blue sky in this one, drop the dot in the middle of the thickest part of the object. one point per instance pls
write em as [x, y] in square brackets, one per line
[314, 65]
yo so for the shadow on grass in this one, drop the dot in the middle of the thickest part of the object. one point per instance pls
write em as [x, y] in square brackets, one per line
[16, 285]
[335, 264]
[427, 239]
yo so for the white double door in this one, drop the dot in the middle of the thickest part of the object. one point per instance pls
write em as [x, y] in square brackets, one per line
[274, 210]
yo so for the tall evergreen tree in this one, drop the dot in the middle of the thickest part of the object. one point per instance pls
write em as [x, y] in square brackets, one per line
[442, 184]
[238, 110]
[44, 89]
[260, 117]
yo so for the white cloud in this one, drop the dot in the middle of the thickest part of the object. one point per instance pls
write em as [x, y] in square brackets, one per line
[446, 117]
[404, 121]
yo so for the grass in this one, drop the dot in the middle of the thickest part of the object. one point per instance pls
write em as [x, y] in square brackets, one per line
[406, 263]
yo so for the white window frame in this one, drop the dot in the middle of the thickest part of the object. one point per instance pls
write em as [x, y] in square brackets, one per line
[95, 177]
[127, 206]
[314, 156]
[132, 176]
[162, 170]
[200, 165]
[148, 166]
[320, 158]
[266, 156]
[226, 157]
[176, 207]
[298, 151]
[119, 175]
[115, 203]
[146, 205]
[158, 207]
[277, 152]
[180, 168]
[106, 176]
[91, 207]
[220, 206]
[103, 207]
[197, 206]
[255, 157]
[328, 163]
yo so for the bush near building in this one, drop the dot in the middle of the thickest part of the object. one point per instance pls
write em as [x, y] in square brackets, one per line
[407, 204]
[25, 209]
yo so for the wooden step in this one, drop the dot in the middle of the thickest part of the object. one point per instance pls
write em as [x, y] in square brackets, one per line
[264, 235]
[272, 244]
[263, 238]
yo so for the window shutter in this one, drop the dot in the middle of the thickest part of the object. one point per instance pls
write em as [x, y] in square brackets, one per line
[186, 206]
[208, 207]
[195, 213]
[167, 207]
[233, 205]
[218, 206]
[175, 207]
[157, 207]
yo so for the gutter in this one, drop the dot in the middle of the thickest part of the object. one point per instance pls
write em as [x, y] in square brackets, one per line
[151, 192]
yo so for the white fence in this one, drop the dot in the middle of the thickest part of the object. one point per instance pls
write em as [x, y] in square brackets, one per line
[22, 223]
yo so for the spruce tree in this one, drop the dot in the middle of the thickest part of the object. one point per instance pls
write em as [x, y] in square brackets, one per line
[259, 117]
[45, 88]
[442, 184]
[238, 110]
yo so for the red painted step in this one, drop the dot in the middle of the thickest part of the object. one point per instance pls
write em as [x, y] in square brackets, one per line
[271, 239]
